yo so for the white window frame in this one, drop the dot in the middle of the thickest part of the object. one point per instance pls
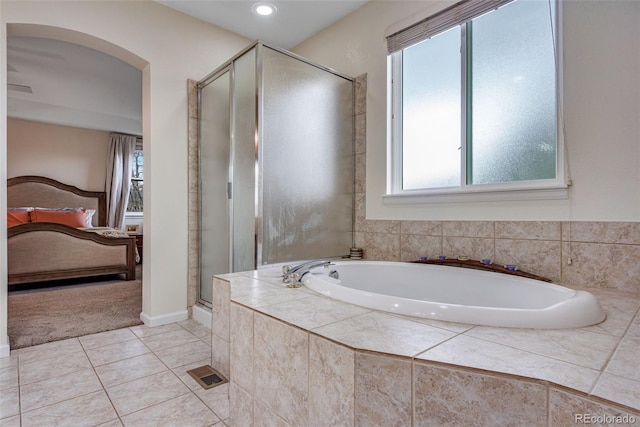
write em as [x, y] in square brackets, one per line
[133, 214]
[544, 189]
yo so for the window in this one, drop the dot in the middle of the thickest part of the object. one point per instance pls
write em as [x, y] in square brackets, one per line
[474, 106]
[135, 192]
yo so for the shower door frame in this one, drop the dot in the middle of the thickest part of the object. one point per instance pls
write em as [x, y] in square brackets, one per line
[228, 66]
[218, 73]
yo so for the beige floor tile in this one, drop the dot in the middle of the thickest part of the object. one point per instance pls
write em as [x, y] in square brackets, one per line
[146, 331]
[106, 338]
[12, 360]
[9, 402]
[170, 339]
[10, 422]
[88, 410]
[140, 394]
[196, 328]
[45, 369]
[634, 328]
[58, 389]
[130, 369]
[8, 377]
[217, 399]
[114, 423]
[185, 354]
[49, 351]
[114, 352]
[82, 381]
[183, 411]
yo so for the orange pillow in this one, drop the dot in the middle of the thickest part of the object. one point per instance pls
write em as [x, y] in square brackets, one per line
[71, 218]
[17, 217]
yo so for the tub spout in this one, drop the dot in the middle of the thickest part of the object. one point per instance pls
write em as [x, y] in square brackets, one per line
[293, 274]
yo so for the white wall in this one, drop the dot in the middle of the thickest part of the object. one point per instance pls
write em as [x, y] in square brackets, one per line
[170, 48]
[71, 155]
[601, 99]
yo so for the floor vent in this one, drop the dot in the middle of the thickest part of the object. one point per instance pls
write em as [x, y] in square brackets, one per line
[207, 377]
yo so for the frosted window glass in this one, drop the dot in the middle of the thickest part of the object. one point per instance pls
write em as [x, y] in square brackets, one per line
[514, 107]
[431, 112]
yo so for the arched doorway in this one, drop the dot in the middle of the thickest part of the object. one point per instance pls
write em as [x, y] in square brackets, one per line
[92, 42]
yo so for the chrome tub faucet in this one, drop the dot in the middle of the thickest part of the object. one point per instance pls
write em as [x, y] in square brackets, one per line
[293, 274]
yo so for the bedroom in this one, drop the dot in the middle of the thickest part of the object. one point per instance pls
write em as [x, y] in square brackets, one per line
[192, 49]
[65, 102]
[166, 301]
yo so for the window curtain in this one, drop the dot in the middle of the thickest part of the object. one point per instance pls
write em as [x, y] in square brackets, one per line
[118, 180]
[456, 14]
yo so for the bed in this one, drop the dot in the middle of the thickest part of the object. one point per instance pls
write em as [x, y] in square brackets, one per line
[39, 250]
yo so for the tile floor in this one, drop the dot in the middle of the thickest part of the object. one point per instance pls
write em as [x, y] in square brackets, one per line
[133, 377]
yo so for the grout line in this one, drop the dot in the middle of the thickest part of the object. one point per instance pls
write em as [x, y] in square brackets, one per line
[104, 388]
[613, 353]
[457, 334]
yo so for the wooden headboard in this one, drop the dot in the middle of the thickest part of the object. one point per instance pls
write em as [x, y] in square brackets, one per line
[38, 191]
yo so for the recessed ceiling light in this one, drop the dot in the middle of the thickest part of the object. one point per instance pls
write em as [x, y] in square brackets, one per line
[263, 9]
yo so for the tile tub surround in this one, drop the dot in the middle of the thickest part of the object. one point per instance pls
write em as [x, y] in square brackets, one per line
[297, 358]
[574, 254]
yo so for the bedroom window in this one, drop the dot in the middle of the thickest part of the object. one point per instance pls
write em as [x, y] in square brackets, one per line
[473, 104]
[137, 179]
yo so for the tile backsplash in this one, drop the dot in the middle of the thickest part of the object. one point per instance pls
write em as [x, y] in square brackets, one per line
[579, 254]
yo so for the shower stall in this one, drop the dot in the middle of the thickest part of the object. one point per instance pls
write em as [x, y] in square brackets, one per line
[276, 163]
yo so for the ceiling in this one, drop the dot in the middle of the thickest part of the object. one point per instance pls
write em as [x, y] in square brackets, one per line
[293, 22]
[62, 83]
[56, 82]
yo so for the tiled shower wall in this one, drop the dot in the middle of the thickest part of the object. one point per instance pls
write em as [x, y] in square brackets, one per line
[579, 254]
[193, 280]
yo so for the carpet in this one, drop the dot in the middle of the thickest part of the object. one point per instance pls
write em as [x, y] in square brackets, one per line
[72, 308]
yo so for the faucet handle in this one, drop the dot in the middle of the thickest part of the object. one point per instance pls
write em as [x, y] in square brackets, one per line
[286, 269]
[293, 280]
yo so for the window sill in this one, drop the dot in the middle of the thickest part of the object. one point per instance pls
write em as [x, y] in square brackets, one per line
[476, 195]
[134, 214]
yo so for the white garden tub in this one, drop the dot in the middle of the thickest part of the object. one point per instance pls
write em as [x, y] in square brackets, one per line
[456, 294]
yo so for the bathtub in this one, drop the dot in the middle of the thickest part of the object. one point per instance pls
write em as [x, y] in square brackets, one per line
[456, 294]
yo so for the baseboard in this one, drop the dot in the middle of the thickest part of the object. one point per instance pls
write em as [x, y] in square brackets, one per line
[5, 350]
[202, 315]
[165, 319]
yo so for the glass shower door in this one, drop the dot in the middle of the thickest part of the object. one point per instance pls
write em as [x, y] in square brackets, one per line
[215, 231]
[307, 166]
[276, 164]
